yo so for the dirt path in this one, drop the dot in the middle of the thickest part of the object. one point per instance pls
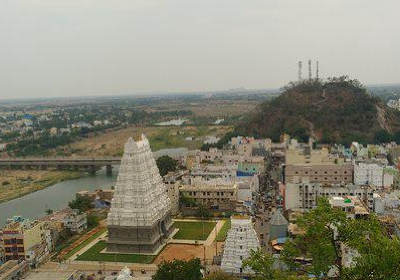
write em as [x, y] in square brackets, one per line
[311, 129]
[381, 119]
[318, 104]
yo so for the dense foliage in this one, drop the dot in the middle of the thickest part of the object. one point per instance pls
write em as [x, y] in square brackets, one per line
[166, 164]
[326, 230]
[83, 204]
[179, 270]
[338, 110]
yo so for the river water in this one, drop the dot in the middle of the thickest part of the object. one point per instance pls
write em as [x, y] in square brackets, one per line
[55, 197]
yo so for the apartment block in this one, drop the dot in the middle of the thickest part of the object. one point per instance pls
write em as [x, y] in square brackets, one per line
[25, 240]
[326, 174]
[304, 195]
[216, 194]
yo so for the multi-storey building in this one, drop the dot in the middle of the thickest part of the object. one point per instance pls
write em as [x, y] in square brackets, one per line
[368, 173]
[75, 221]
[304, 194]
[215, 194]
[213, 154]
[323, 173]
[211, 172]
[306, 155]
[351, 205]
[172, 182]
[22, 240]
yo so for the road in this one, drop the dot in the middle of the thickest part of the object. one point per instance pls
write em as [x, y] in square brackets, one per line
[266, 202]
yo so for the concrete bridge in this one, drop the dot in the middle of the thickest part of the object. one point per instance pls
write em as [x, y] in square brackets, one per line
[88, 164]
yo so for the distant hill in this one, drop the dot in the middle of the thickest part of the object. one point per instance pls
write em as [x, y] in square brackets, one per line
[338, 110]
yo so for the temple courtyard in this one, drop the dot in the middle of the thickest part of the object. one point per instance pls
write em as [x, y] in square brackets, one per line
[191, 239]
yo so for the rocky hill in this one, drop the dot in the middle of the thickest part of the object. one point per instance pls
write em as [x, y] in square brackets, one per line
[337, 110]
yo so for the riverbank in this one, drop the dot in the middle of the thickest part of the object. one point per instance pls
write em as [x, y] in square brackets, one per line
[111, 143]
[17, 183]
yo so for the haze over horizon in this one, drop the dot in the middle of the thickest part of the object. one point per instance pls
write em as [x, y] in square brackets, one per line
[101, 48]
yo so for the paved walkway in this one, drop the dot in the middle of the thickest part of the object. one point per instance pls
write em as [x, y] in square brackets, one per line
[88, 246]
[88, 266]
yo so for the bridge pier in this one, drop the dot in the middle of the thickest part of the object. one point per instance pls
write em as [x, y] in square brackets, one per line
[92, 170]
[109, 170]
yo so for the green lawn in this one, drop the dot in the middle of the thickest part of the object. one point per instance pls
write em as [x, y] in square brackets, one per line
[193, 230]
[84, 243]
[224, 231]
[93, 254]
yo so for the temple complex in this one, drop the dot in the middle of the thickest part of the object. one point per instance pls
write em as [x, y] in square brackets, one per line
[139, 220]
[241, 239]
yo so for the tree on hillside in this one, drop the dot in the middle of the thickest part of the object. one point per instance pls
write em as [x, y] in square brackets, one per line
[166, 164]
[179, 270]
[83, 204]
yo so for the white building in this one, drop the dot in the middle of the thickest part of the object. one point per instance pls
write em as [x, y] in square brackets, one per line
[241, 239]
[351, 205]
[76, 222]
[213, 154]
[210, 172]
[387, 203]
[368, 174]
[172, 182]
[304, 195]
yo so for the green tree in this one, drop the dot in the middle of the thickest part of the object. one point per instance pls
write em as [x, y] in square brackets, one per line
[379, 255]
[325, 228]
[186, 201]
[92, 220]
[220, 276]
[382, 136]
[179, 270]
[319, 242]
[203, 211]
[263, 266]
[166, 164]
[83, 204]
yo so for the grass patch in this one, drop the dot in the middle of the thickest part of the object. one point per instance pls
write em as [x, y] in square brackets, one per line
[84, 243]
[224, 231]
[93, 254]
[193, 230]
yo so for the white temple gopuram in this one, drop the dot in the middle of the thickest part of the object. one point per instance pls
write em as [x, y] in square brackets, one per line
[241, 239]
[139, 220]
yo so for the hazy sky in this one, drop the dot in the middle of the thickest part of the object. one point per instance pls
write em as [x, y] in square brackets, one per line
[107, 47]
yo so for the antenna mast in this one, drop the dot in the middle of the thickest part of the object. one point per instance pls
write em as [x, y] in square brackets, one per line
[300, 67]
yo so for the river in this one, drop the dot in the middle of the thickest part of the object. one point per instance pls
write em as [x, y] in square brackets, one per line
[57, 196]
[34, 205]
